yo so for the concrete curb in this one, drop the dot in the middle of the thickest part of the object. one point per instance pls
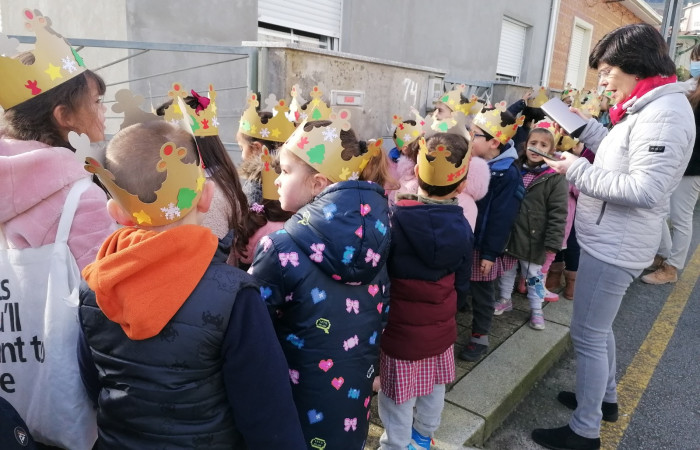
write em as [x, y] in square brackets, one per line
[477, 405]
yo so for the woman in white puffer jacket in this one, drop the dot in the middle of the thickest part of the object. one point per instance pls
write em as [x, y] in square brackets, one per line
[623, 202]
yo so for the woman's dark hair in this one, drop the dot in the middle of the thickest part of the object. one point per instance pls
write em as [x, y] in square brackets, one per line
[33, 120]
[458, 147]
[506, 119]
[637, 49]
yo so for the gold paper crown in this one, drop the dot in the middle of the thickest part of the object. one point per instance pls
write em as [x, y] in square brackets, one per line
[203, 122]
[278, 128]
[268, 176]
[55, 62]
[490, 122]
[575, 95]
[316, 109]
[562, 142]
[592, 104]
[540, 99]
[453, 100]
[321, 149]
[405, 133]
[456, 123]
[176, 197]
[440, 171]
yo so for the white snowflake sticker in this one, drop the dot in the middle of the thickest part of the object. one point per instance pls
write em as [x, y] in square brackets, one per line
[330, 134]
[171, 211]
[406, 137]
[354, 176]
[69, 64]
[215, 122]
[303, 116]
[264, 132]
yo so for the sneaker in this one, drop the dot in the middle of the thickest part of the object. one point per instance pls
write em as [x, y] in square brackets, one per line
[658, 261]
[550, 296]
[473, 351]
[609, 410]
[663, 275]
[418, 441]
[564, 438]
[537, 320]
[503, 305]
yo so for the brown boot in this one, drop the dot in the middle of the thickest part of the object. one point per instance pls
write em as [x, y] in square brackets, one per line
[658, 261]
[553, 283]
[665, 274]
[570, 279]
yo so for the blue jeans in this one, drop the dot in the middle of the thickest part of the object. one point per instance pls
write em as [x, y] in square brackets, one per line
[599, 290]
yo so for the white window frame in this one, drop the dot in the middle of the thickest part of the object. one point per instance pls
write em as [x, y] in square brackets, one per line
[580, 76]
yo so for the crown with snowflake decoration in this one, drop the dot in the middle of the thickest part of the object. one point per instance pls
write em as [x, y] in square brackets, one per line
[490, 122]
[203, 122]
[278, 128]
[55, 62]
[438, 170]
[268, 176]
[453, 100]
[575, 95]
[540, 99]
[562, 142]
[321, 148]
[405, 133]
[314, 109]
[176, 197]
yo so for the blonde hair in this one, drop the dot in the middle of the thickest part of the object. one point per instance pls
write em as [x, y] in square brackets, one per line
[133, 153]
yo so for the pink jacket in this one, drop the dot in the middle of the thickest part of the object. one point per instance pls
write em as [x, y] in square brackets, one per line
[34, 181]
[235, 259]
[477, 184]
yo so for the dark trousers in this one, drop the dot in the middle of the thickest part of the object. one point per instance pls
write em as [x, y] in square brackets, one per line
[483, 298]
[571, 254]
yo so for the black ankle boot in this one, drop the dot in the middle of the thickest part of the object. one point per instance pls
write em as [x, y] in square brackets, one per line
[610, 411]
[564, 439]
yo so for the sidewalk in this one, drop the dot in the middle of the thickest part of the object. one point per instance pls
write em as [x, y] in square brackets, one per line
[486, 391]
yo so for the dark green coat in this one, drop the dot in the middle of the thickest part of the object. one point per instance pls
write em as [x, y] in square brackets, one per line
[541, 221]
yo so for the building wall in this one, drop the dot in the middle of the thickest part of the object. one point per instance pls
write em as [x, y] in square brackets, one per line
[604, 17]
[459, 37]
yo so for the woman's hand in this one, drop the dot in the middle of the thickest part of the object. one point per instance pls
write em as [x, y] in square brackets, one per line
[565, 161]
[486, 266]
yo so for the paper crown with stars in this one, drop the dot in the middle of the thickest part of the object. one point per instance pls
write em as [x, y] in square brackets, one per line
[202, 119]
[315, 109]
[176, 197]
[278, 128]
[55, 62]
[268, 176]
[490, 122]
[453, 100]
[405, 133]
[591, 104]
[322, 149]
[540, 99]
[562, 142]
[440, 171]
[456, 123]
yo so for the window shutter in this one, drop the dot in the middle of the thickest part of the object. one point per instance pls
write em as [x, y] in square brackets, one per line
[316, 17]
[511, 49]
[573, 66]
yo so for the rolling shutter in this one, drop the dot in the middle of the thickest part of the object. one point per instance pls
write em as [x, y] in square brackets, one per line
[573, 65]
[511, 49]
[318, 17]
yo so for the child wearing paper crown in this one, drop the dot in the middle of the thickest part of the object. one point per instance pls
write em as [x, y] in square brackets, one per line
[429, 267]
[324, 278]
[177, 348]
[491, 134]
[538, 232]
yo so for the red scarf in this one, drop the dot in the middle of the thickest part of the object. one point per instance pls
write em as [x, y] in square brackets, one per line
[643, 86]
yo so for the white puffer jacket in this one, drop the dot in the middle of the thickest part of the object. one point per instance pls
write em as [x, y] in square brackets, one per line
[625, 193]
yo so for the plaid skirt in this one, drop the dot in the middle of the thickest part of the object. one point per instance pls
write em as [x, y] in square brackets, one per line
[502, 264]
[402, 380]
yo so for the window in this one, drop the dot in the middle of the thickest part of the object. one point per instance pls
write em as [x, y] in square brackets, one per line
[578, 54]
[511, 49]
[306, 22]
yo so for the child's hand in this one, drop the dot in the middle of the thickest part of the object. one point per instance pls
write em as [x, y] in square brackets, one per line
[486, 266]
[376, 385]
[527, 95]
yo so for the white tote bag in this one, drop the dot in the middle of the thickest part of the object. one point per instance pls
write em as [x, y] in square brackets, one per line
[39, 372]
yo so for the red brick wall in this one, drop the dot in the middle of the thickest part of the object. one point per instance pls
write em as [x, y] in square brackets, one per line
[603, 16]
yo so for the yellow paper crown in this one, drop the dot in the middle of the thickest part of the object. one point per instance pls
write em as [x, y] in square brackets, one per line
[278, 128]
[268, 176]
[316, 109]
[55, 62]
[321, 149]
[176, 197]
[203, 122]
[562, 142]
[453, 100]
[405, 133]
[456, 123]
[540, 99]
[592, 104]
[440, 171]
[490, 122]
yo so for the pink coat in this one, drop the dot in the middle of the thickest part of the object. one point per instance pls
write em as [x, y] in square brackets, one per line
[235, 258]
[34, 180]
[477, 184]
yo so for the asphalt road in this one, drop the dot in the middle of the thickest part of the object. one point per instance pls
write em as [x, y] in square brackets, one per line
[667, 415]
